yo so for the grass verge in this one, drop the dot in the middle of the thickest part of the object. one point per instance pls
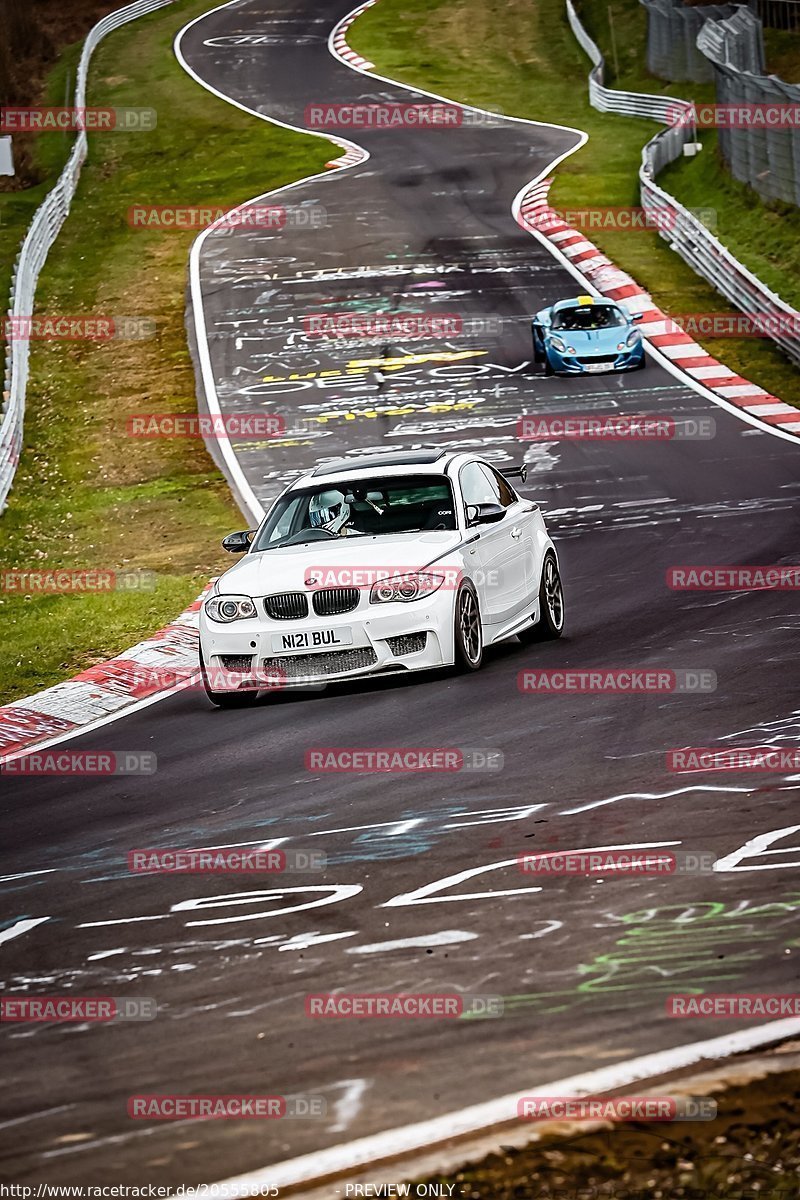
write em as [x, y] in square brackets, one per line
[525, 59]
[782, 51]
[85, 494]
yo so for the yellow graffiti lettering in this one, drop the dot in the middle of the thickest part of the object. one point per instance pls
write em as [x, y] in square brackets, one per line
[393, 411]
[409, 360]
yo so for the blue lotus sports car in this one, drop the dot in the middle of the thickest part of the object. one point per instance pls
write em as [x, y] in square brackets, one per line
[586, 335]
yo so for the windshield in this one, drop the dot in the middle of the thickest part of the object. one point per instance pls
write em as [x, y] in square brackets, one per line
[359, 508]
[589, 316]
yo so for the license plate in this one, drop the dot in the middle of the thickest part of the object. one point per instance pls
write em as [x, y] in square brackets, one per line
[313, 639]
[595, 368]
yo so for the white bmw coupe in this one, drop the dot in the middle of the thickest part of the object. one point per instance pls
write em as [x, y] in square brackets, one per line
[376, 565]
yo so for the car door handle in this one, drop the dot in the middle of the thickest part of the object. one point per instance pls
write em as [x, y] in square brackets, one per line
[516, 533]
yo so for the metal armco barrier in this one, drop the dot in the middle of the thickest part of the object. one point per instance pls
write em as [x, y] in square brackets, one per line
[43, 230]
[767, 159]
[686, 235]
[630, 104]
[672, 29]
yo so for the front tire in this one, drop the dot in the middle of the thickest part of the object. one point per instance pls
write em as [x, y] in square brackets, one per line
[551, 605]
[242, 699]
[468, 634]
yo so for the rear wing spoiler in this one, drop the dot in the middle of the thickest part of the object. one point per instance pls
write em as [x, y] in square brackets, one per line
[520, 473]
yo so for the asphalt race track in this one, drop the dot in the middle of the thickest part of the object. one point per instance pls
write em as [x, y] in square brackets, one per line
[421, 892]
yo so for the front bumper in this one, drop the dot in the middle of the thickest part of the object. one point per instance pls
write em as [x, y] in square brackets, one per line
[587, 364]
[371, 640]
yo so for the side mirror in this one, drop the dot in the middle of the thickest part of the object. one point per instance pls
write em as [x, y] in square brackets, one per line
[484, 514]
[520, 473]
[238, 543]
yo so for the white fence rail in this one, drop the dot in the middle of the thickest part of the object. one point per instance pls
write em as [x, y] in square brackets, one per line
[43, 230]
[688, 236]
[629, 104]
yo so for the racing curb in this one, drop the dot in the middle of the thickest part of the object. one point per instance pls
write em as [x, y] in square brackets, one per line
[340, 38]
[352, 156]
[165, 662]
[536, 216]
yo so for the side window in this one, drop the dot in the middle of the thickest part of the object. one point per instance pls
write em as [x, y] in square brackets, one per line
[476, 486]
[507, 496]
[285, 522]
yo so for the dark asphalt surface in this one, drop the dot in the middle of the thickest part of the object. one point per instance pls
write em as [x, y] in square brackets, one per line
[584, 964]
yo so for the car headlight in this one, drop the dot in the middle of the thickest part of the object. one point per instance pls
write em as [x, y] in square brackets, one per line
[405, 588]
[558, 345]
[633, 339]
[230, 608]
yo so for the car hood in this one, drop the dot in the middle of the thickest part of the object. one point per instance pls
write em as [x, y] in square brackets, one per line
[271, 571]
[596, 339]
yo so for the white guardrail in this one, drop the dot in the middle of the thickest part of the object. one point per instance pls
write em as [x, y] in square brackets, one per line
[43, 230]
[688, 236]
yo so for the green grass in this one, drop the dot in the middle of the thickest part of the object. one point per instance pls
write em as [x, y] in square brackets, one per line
[765, 237]
[782, 50]
[524, 59]
[85, 494]
[619, 28]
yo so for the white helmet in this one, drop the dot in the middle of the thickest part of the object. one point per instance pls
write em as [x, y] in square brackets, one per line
[328, 510]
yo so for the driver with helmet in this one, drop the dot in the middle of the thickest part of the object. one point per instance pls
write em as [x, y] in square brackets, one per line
[330, 510]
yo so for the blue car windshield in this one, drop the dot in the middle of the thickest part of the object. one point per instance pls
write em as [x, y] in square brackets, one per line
[589, 316]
